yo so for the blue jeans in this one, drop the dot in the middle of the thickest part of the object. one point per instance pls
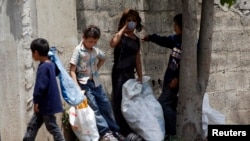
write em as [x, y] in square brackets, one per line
[99, 102]
[36, 122]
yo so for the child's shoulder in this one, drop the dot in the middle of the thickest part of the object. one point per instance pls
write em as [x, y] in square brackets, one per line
[78, 47]
[46, 64]
[96, 48]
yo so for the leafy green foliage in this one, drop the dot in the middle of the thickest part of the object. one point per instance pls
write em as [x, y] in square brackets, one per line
[65, 119]
[67, 127]
[229, 2]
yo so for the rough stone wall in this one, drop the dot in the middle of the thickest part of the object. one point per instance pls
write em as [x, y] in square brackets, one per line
[15, 70]
[229, 82]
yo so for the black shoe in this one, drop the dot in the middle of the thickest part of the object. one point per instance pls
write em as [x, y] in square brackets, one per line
[119, 136]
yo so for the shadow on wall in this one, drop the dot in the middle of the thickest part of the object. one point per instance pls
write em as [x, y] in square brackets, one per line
[15, 18]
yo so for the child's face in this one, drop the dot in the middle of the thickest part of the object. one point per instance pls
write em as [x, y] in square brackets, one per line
[177, 29]
[35, 55]
[131, 19]
[89, 42]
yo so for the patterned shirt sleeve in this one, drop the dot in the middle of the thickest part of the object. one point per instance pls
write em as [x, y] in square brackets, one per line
[75, 56]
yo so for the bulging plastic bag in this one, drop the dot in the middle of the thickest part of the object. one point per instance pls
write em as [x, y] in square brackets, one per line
[83, 122]
[71, 92]
[210, 116]
[142, 111]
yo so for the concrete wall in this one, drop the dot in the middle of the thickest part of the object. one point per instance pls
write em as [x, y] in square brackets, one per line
[229, 84]
[14, 91]
[61, 23]
[21, 22]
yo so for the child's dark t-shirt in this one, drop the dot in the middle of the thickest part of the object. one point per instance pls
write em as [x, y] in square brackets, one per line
[46, 92]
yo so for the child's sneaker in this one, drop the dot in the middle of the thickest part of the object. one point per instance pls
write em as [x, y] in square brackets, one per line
[119, 136]
[134, 137]
[108, 137]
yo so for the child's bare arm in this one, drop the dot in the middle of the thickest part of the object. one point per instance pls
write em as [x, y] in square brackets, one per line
[174, 83]
[100, 63]
[72, 72]
[138, 66]
[116, 39]
[36, 108]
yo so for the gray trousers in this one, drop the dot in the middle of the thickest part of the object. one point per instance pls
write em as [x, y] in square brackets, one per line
[36, 122]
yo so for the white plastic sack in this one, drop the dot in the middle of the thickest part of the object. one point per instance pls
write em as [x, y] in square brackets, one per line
[83, 122]
[210, 116]
[142, 111]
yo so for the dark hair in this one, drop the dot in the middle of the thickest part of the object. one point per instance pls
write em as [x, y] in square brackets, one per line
[127, 13]
[91, 31]
[41, 46]
[178, 20]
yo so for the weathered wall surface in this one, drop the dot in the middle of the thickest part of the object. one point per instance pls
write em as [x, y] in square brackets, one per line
[21, 22]
[15, 28]
[61, 23]
[229, 85]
